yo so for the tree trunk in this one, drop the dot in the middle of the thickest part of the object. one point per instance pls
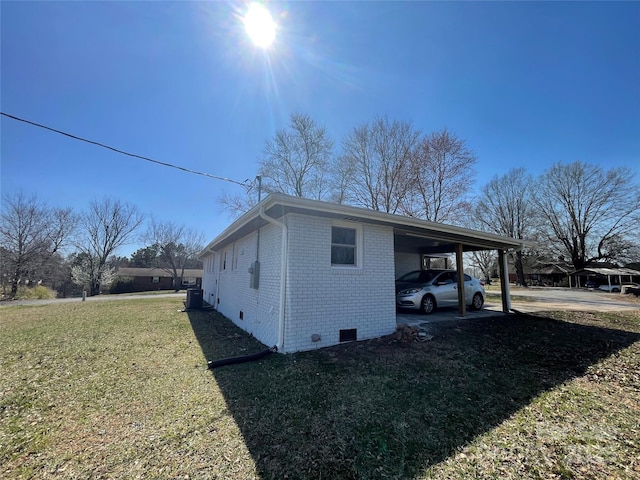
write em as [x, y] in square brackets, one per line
[519, 268]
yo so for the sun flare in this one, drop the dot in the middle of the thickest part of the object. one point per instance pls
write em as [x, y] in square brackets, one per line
[259, 25]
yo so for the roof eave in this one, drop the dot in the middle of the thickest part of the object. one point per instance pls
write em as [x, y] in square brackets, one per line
[398, 221]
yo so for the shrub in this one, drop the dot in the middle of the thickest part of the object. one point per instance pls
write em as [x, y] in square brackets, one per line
[39, 292]
[122, 285]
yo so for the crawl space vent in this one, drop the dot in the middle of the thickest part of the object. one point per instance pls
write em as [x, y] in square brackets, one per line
[350, 335]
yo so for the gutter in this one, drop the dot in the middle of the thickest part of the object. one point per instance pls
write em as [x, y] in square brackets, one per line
[283, 272]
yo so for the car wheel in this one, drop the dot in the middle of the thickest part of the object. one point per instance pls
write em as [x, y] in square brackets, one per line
[615, 290]
[477, 302]
[428, 304]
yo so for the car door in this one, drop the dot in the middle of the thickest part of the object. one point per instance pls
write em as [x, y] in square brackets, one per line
[469, 289]
[445, 289]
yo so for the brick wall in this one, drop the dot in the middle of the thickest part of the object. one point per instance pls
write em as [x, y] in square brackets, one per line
[407, 262]
[322, 299]
[209, 278]
[259, 307]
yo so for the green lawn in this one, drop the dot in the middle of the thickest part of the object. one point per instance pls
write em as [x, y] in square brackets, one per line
[121, 389]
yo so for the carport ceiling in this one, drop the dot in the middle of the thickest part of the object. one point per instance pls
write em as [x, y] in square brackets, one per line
[434, 242]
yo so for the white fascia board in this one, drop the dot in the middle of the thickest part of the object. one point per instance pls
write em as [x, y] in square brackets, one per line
[393, 219]
[361, 214]
[231, 229]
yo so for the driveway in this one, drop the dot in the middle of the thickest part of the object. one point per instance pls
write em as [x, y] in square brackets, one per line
[536, 299]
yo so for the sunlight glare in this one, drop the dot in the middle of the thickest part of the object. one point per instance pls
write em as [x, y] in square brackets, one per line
[259, 25]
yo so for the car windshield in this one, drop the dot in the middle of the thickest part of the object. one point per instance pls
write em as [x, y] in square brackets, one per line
[418, 276]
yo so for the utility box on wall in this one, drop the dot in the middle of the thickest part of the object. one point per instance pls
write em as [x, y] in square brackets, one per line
[254, 278]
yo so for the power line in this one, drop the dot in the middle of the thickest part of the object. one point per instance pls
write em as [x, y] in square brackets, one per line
[75, 137]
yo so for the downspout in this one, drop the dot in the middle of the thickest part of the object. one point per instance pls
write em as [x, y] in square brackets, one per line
[283, 273]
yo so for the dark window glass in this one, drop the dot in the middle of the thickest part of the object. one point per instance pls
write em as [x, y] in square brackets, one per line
[343, 236]
[343, 246]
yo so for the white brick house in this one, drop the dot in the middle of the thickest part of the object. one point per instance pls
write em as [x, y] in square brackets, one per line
[302, 274]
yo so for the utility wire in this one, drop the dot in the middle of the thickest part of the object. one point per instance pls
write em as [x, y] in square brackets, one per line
[75, 137]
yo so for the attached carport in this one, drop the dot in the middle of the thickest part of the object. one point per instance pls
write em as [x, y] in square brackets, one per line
[420, 238]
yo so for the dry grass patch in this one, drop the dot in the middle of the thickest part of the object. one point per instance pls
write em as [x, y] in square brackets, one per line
[120, 389]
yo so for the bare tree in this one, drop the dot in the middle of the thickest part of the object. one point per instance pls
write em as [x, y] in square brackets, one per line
[342, 173]
[105, 227]
[176, 246]
[30, 235]
[591, 214]
[296, 160]
[485, 261]
[506, 207]
[442, 173]
[378, 155]
[237, 204]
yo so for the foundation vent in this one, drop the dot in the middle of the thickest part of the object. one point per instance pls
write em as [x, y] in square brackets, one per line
[350, 335]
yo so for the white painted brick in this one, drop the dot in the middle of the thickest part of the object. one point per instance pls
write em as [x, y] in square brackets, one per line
[319, 298]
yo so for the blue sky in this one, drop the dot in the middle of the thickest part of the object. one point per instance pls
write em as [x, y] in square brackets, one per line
[525, 84]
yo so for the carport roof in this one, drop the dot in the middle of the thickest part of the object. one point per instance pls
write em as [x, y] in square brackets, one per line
[608, 271]
[410, 233]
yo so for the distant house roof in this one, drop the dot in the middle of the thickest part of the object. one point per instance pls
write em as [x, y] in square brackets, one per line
[554, 269]
[409, 232]
[607, 271]
[156, 272]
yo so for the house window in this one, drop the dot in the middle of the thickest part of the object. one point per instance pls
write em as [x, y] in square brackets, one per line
[344, 246]
[155, 279]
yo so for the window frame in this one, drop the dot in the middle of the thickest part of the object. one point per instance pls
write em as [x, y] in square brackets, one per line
[234, 257]
[357, 256]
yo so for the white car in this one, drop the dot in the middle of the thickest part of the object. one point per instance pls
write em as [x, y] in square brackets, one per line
[427, 290]
[610, 288]
[618, 288]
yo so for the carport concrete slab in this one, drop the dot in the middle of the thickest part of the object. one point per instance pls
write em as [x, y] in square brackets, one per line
[415, 319]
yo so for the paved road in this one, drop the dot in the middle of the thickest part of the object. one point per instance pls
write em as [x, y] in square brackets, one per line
[540, 298]
[98, 298]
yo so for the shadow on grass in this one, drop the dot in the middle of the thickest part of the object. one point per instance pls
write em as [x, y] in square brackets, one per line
[378, 408]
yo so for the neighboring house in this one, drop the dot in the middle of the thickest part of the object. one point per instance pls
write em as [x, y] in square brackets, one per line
[609, 275]
[549, 275]
[147, 279]
[302, 274]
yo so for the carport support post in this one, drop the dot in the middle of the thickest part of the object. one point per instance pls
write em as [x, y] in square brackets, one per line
[504, 281]
[462, 308]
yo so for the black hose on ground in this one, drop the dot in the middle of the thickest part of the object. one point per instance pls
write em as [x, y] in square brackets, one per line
[242, 359]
